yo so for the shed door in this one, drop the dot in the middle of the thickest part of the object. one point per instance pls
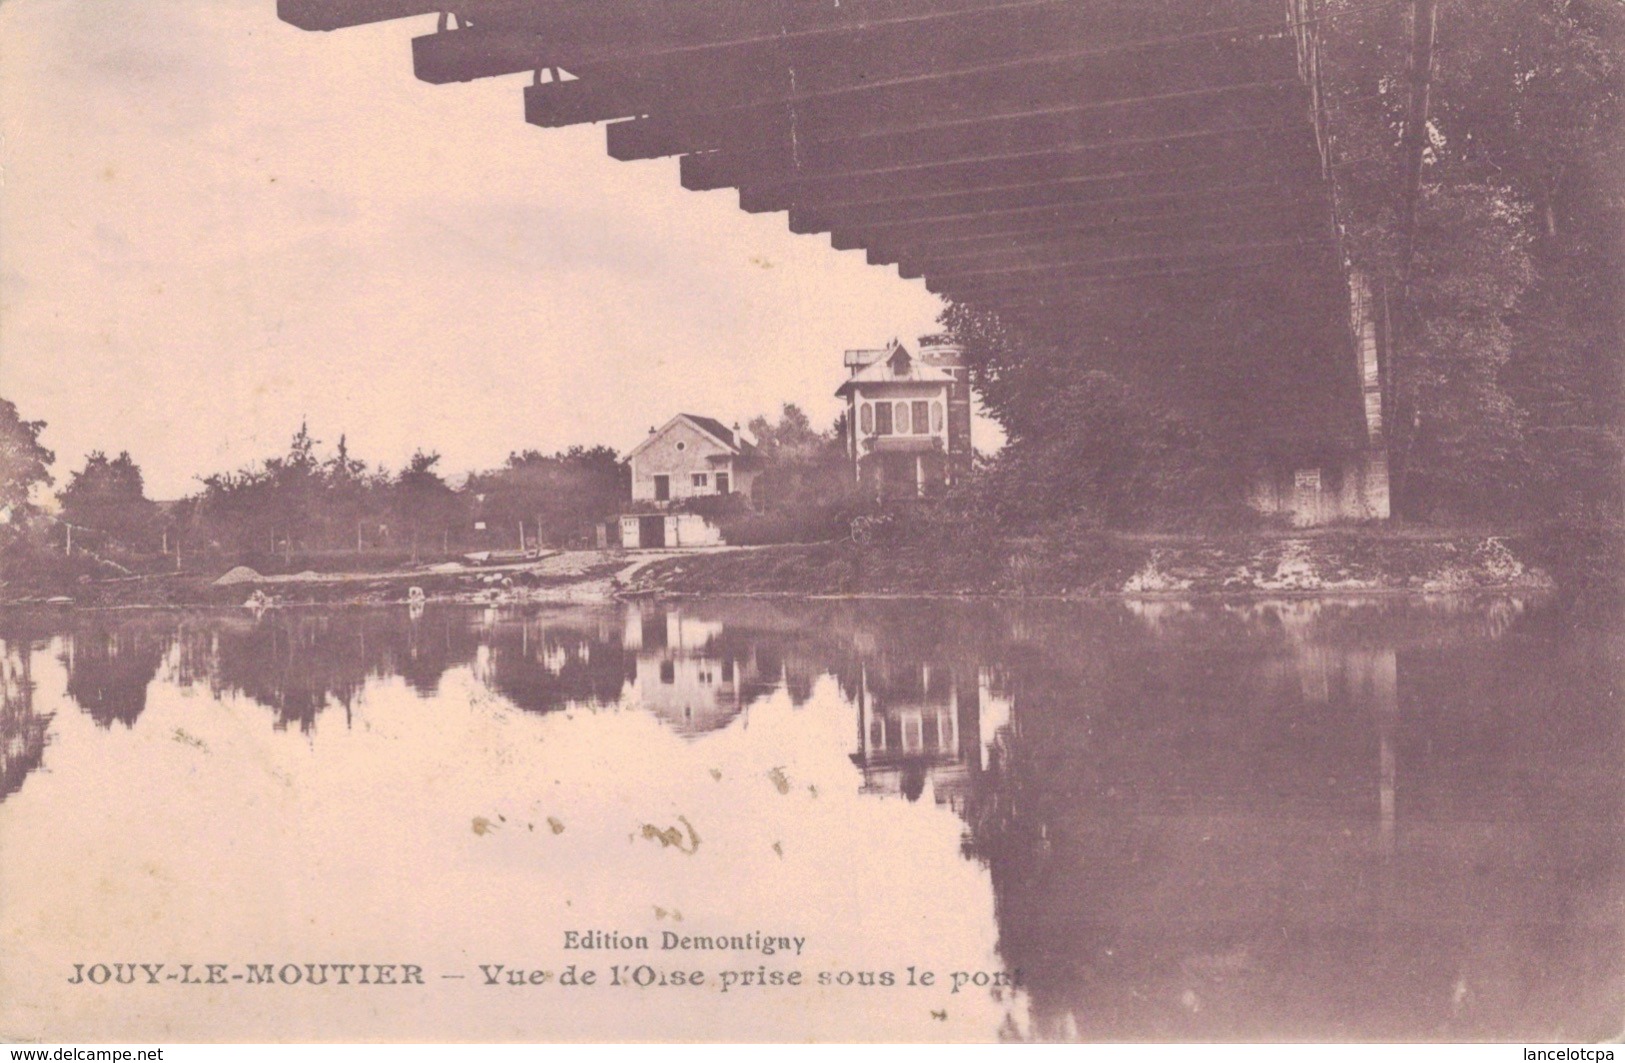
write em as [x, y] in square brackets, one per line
[723, 483]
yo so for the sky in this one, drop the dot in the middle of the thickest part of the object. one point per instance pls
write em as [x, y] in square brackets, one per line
[214, 225]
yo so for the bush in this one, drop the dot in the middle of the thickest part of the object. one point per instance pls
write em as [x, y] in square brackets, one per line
[1586, 559]
[807, 523]
[31, 565]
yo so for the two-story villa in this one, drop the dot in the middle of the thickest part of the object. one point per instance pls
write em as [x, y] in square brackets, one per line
[908, 417]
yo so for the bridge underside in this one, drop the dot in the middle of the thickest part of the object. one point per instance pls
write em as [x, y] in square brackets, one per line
[1141, 181]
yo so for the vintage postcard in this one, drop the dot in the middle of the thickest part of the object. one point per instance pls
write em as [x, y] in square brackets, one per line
[811, 520]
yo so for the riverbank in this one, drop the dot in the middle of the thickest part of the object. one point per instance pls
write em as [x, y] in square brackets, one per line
[564, 576]
[1097, 565]
[1104, 565]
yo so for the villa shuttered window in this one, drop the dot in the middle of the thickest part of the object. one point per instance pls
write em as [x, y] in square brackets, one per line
[922, 418]
[883, 418]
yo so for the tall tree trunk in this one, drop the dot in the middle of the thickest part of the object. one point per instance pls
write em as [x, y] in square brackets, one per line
[1424, 20]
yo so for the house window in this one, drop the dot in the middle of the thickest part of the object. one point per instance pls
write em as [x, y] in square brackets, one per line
[702, 479]
[913, 733]
[922, 418]
[902, 418]
[681, 445]
[668, 672]
[936, 417]
[866, 419]
[662, 488]
[723, 485]
[882, 418]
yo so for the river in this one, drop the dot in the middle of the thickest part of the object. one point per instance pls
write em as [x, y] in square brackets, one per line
[1319, 819]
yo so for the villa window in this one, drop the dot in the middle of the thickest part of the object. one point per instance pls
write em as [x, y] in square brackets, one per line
[922, 418]
[902, 418]
[936, 417]
[883, 418]
[866, 419]
[913, 736]
[702, 479]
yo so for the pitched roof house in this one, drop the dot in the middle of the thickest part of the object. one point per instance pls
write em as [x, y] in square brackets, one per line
[691, 456]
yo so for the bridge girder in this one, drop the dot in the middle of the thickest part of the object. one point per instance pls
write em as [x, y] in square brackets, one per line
[1044, 159]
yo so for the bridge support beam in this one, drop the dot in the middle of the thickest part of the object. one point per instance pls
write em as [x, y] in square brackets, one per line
[1351, 485]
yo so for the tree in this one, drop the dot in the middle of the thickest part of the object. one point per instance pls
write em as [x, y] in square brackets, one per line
[24, 464]
[792, 438]
[349, 497]
[802, 467]
[108, 496]
[267, 506]
[423, 501]
[1507, 355]
[558, 495]
[1505, 378]
[295, 486]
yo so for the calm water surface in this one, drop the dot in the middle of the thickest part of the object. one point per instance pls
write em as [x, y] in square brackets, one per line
[1324, 820]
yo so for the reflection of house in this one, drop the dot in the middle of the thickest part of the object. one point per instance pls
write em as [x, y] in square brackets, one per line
[683, 677]
[908, 418]
[921, 721]
[691, 457]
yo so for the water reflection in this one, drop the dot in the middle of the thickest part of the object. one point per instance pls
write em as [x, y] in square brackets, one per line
[22, 728]
[1304, 819]
[111, 663]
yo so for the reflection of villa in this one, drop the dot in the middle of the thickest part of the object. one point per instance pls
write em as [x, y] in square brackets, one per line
[683, 677]
[922, 722]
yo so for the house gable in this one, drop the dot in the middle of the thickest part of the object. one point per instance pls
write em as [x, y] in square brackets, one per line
[693, 456]
[712, 429]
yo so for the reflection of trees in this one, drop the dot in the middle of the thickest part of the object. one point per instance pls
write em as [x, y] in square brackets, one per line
[1269, 824]
[423, 645]
[298, 663]
[551, 662]
[22, 729]
[111, 664]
